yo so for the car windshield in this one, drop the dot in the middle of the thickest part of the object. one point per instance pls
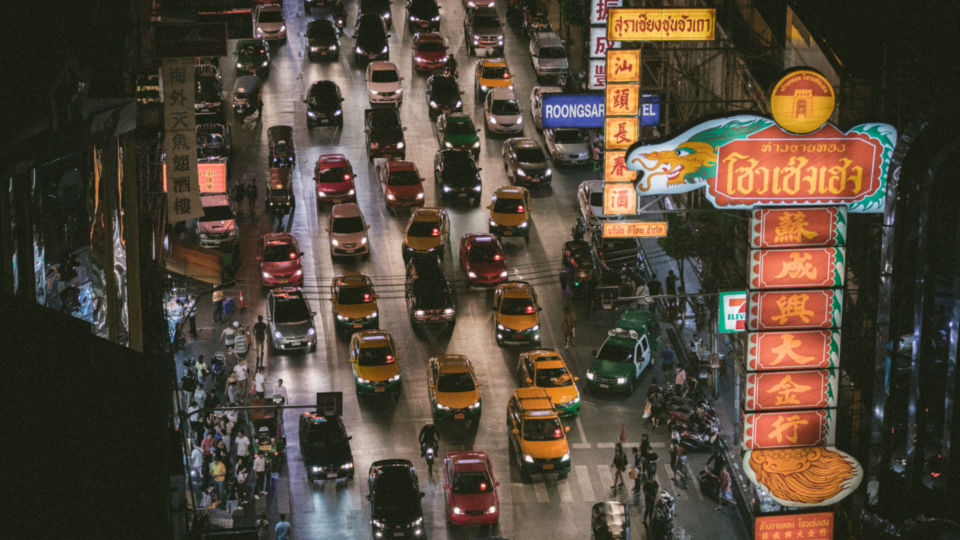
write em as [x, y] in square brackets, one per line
[455, 382]
[471, 483]
[485, 22]
[485, 251]
[322, 434]
[596, 198]
[376, 356]
[530, 155]
[568, 136]
[354, 295]
[334, 175]
[505, 106]
[217, 213]
[322, 95]
[384, 76]
[294, 310]
[250, 49]
[542, 429]
[271, 16]
[495, 72]
[460, 127]
[319, 31]
[403, 178]
[445, 86]
[553, 377]
[279, 253]
[395, 488]
[210, 145]
[424, 229]
[461, 162]
[517, 306]
[509, 206]
[431, 46]
[552, 52]
[615, 352]
[208, 89]
[347, 225]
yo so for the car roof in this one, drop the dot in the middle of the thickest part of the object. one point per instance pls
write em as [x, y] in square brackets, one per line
[504, 94]
[534, 399]
[516, 289]
[469, 461]
[352, 280]
[330, 161]
[452, 363]
[428, 213]
[493, 62]
[400, 165]
[510, 192]
[374, 338]
[485, 11]
[423, 37]
[548, 39]
[279, 238]
[287, 293]
[382, 65]
[458, 117]
[523, 142]
[392, 463]
[345, 210]
[481, 238]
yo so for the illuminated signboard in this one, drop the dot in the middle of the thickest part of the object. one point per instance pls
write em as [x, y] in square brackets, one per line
[624, 65]
[649, 109]
[572, 110]
[817, 526]
[600, 10]
[619, 199]
[615, 168]
[622, 99]
[798, 227]
[680, 24]
[803, 309]
[802, 101]
[789, 429]
[794, 477]
[796, 268]
[599, 43]
[621, 132]
[634, 229]
[782, 390]
[597, 74]
[213, 177]
[733, 312]
[745, 161]
[816, 349]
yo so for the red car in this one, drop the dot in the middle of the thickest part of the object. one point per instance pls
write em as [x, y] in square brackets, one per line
[402, 184]
[470, 489]
[429, 51]
[334, 177]
[280, 260]
[482, 259]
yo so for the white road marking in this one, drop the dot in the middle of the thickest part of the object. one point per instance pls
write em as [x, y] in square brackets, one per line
[541, 490]
[581, 446]
[563, 486]
[583, 480]
[516, 491]
[606, 477]
[583, 434]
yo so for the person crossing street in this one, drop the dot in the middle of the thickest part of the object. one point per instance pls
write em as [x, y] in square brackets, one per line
[260, 336]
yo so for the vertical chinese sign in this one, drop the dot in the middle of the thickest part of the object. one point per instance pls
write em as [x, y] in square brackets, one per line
[621, 129]
[180, 140]
[598, 45]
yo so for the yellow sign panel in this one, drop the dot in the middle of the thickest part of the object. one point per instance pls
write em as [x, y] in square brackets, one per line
[621, 132]
[680, 24]
[634, 229]
[619, 199]
[615, 167]
[623, 65]
[623, 99]
[802, 101]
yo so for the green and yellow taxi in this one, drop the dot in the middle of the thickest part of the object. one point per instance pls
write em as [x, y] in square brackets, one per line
[428, 231]
[545, 368]
[517, 314]
[491, 73]
[537, 439]
[376, 366]
[510, 212]
[452, 388]
[354, 303]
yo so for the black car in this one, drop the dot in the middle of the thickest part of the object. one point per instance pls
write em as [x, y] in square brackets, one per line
[384, 133]
[526, 163]
[457, 175]
[423, 15]
[381, 8]
[322, 40]
[324, 443]
[208, 97]
[395, 510]
[324, 104]
[429, 296]
[213, 142]
[443, 95]
[371, 37]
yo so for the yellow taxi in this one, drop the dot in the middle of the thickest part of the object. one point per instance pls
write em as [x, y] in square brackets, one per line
[537, 439]
[491, 73]
[545, 368]
[428, 231]
[376, 367]
[354, 303]
[510, 212]
[452, 387]
[517, 314]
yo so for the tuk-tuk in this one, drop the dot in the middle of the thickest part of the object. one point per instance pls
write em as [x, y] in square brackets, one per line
[246, 95]
[280, 198]
[610, 521]
[269, 439]
[579, 273]
[282, 152]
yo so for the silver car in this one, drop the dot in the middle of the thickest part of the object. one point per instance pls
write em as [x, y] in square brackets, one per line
[290, 320]
[568, 146]
[549, 56]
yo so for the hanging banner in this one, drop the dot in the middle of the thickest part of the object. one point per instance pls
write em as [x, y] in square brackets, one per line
[599, 43]
[619, 199]
[796, 268]
[733, 312]
[622, 99]
[669, 24]
[615, 168]
[816, 349]
[600, 10]
[804, 477]
[782, 390]
[798, 227]
[746, 161]
[804, 309]
[180, 140]
[624, 65]
[634, 229]
[817, 526]
[621, 132]
[790, 429]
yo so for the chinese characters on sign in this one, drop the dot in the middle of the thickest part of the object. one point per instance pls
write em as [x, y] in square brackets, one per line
[599, 43]
[634, 229]
[600, 9]
[622, 99]
[619, 199]
[682, 24]
[807, 389]
[788, 429]
[624, 65]
[180, 140]
[798, 227]
[802, 309]
[796, 268]
[621, 132]
[817, 349]
[597, 74]
[615, 168]
[817, 526]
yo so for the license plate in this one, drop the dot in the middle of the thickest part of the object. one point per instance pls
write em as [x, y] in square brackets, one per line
[264, 447]
[399, 534]
[547, 466]
[459, 416]
[350, 250]
[602, 385]
[357, 325]
[462, 195]
[331, 475]
[507, 232]
[379, 389]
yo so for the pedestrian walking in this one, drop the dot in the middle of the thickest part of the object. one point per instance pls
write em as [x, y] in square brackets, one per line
[656, 409]
[643, 297]
[628, 287]
[568, 326]
[192, 315]
[645, 447]
[217, 299]
[200, 396]
[218, 471]
[258, 380]
[232, 495]
[242, 474]
[282, 529]
[260, 472]
[228, 337]
[259, 108]
[666, 358]
[671, 283]
[207, 444]
[241, 370]
[281, 391]
[231, 389]
[238, 192]
[263, 527]
[241, 446]
[677, 461]
[619, 465]
[252, 195]
[679, 380]
[723, 488]
[188, 383]
[650, 489]
[637, 467]
[260, 336]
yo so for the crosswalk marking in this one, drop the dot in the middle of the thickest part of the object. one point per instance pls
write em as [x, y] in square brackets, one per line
[516, 491]
[583, 434]
[541, 490]
[583, 480]
[580, 446]
[563, 486]
[606, 477]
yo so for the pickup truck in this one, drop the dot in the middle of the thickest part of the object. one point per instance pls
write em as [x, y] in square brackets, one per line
[549, 57]
[482, 30]
[384, 134]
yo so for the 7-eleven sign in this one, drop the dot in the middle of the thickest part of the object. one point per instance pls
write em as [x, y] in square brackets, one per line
[733, 312]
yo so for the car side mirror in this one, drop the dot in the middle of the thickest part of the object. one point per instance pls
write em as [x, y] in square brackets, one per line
[478, 130]
[431, 385]
[494, 308]
[349, 437]
[368, 498]
[566, 429]
[539, 309]
[301, 254]
[528, 380]
[446, 486]
[575, 378]
[496, 484]
[515, 431]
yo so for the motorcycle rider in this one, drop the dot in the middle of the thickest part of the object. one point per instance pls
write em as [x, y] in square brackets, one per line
[339, 15]
[429, 437]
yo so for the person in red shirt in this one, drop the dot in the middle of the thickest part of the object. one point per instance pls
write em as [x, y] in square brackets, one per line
[208, 443]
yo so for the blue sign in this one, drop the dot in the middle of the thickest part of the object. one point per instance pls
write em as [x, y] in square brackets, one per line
[649, 109]
[573, 111]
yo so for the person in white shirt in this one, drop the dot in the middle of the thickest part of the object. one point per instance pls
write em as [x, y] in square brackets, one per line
[241, 370]
[260, 470]
[281, 390]
[258, 380]
[242, 445]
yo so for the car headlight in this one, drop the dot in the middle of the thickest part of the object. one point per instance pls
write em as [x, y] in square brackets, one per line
[338, 112]
[299, 272]
[520, 172]
[582, 155]
[478, 188]
[483, 88]
[471, 275]
[418, 58]
[492, 510]
[447, 189]
[590, 375]
[283, 28]
[503, 274]
[476, 41]
[621, 380]
[457, 511]
[311, 114]
[316, 469]
[519, 120]
[277, 334]
[333, 47]
[412, 18]
[444, 59]
[374, 92]
[321, 195]
[433, 104]
[395, 378]
[493, 222]
[378, 523]
[352, 192]
[476, 405]
[311, 331]
[386, 15]
[419, 313]
[361, 380]
[400, 145]
[448, 311]
[391, 197]
[363, 241]
[492, 119]
[359, 50]
[499, 37]
[334, 242]
[347, 466]
[371, 316]
[436, 18]
[259, 29]
[343, 318]
[419, 195]
[416, 522]
[239, 65]
[314, 48]
[534, 328]
[374, 145]
[459, 103]
[548, 172]
[442, 407]
[266, 275]
[384, 50]
[510, 87]
[501, 327]
[566, 457]
[264, 64]
[522, 225]
[448, 144]
[528, 458]
[471, 4]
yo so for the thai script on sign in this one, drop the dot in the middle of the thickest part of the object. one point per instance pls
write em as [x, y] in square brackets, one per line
[661, 24]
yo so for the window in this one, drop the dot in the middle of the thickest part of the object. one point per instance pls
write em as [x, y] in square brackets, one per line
[455, 382]
[495, 72]
[530, 155]
[279, 253]
[553, 378]
[509, 206]
[384, 76]
[542, 429]
[460, 127]
[347, 225]
[517, 306]
[471, 483]
[403, 178]
[424, 229]
[505, 106]
[376, 356]
[354, 295]
[615, 352]
[294, 310]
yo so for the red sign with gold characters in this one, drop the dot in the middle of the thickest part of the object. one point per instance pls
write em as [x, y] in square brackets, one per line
[615, 168]
[817, 526]
[802, 309]
[621, 132]
[783, 390]
[623, 65]
[810, 349]
[634, 229]
[788, 429]
[796, 268]
[798, 227]
[619, 199]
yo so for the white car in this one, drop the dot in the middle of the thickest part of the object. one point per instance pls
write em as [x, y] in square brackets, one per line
[268, 22]
[549, 56]
[348, 231]
[501, 112]
[568, 146]
[384, 83]
[590, 199]
[536, 102]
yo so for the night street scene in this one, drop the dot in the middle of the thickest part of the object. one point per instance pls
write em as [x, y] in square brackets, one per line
[481, 270]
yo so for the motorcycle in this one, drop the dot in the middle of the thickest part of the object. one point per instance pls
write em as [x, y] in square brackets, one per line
[709, 483]
[695, 442]
[430, 454]
[681, 421]
[664, 510]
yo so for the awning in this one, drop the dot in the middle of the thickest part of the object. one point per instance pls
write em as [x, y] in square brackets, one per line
[193, 261]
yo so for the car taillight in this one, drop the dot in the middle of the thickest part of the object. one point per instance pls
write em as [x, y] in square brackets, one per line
[389, 359]
[346, 177]
[498, 257]
[529, 309]
[520, 208]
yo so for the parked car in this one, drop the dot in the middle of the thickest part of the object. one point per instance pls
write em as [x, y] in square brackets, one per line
[536, 102]
[549, 57]
[526, 163]
[214, 142]
[208, 93]
[590, 199]
[290, 320]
